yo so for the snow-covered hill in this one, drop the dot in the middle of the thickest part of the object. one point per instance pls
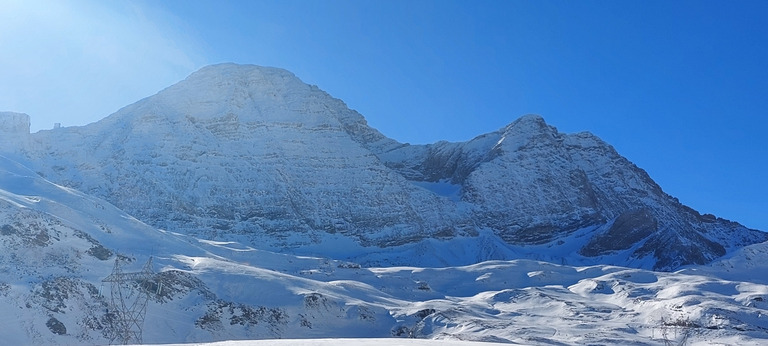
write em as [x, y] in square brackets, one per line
[252, 154]
[57, 245]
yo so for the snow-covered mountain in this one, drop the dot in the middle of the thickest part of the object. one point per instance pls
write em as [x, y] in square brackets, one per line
[252, 154]
[245, 152]
[58, 244]
[531, 184]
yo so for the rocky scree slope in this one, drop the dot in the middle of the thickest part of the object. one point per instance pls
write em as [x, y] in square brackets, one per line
[253, 154]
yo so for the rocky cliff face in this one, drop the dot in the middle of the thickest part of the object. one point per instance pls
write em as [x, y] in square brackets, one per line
[254, 154]
[248, 152]
[531, 184]
[14, 131]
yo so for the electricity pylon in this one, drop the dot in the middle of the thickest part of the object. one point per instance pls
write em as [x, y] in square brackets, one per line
[129, 296]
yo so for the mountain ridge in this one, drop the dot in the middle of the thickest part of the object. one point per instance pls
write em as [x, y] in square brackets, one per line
[281, 228]
[252, 154]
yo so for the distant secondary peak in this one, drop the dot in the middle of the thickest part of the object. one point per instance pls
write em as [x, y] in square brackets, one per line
[525, 130]
[530, 123]
[531, 118]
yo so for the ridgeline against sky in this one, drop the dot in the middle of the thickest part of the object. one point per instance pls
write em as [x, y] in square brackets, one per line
[678, 87]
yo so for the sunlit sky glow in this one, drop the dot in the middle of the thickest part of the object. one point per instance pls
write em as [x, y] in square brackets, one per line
[677, 87]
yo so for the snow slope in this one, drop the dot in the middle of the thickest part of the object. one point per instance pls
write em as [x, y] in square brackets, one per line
[348, 341]
[57, 245]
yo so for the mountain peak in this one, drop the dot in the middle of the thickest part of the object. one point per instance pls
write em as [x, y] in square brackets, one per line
[239, 71]
[530, 118]
[239, 94]
[527, 130]
[233, 82]
[529, 124]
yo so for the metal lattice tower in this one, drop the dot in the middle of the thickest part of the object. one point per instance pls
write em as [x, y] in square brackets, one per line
[130, 293]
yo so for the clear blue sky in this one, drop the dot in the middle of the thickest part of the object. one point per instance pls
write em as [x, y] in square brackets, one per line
[678, 87]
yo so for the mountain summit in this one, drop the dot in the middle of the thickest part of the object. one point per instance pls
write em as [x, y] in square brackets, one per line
[253, 154]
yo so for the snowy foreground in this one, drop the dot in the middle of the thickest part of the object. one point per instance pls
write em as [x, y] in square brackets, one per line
[360, 342]
[58, 244]
[396, 342]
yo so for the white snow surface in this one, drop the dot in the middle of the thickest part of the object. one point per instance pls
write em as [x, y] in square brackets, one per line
[360, 342]
[277, 213]
[219, 291]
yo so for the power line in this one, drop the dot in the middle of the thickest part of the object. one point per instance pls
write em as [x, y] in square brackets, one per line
[130, 292]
